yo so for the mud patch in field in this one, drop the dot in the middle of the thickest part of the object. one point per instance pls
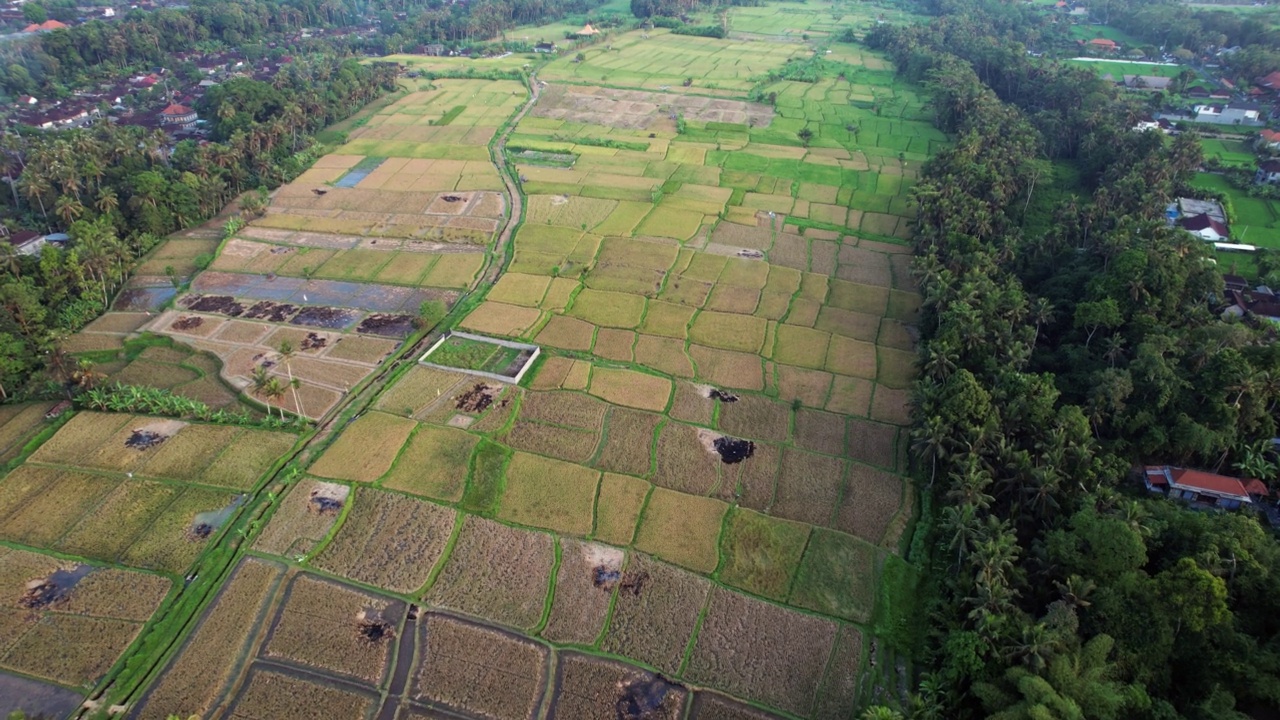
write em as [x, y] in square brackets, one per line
[205, 524]
[46, 592]
[314, 342]
[328, 499]
[642, 699]
[373, 629]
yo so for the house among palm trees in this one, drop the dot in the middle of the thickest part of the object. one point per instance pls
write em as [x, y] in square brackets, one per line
[1198, 486]
[177, 114]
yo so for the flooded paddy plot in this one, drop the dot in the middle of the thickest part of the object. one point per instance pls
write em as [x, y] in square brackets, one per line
[245, 290]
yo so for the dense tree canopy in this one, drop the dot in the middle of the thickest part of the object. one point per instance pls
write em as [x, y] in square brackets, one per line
[1056, 355]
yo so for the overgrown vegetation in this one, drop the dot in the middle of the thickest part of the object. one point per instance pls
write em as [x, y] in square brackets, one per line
[1053, 362]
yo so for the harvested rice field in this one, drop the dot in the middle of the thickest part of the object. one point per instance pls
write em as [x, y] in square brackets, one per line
[693, 504]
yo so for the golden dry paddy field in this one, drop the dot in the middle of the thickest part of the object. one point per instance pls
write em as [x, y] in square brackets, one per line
[696, 503]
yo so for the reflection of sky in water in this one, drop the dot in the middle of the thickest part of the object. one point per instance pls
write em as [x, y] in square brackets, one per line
[150, 298]
[364, 296]
[216, 518]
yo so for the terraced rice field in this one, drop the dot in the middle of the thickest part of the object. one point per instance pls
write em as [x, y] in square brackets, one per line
[694, 505]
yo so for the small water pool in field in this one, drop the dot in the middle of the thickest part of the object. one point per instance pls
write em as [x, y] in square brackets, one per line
[359, 172]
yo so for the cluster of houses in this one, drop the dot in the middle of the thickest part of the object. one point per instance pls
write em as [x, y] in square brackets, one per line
[1259, 302]
[159, 100]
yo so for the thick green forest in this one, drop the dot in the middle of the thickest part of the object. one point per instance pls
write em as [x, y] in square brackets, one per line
[1070, 335]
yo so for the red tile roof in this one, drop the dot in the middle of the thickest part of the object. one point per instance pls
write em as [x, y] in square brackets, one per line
[1103, 42]
[46, 25]
[1269, 136]
[176, 109]
[1200, 480]
[1256, 487]
[1271, 81]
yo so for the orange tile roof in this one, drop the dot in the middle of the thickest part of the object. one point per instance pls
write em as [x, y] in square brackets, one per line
[1200, 480]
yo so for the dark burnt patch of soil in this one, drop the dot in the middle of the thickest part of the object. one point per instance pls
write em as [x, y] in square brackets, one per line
[314, 342]
[199, 532]
[218, 304]
[477, 399]
[605, 577]
[49, 591]
[272, 311]
[374, 630]
[144, 439]
[732, 450]
[643, 698]
[188, 322]
[634, 582]
[722, 395]
[323, 504]
[321, 316]
[386, 324]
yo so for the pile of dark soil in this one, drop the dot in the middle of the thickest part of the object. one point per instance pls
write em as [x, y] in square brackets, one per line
[477, 399]
[323, 504]
[188, 322]
[325, 317]
[605, 577]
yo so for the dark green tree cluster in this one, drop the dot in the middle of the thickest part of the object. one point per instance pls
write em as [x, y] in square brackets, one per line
[1054, 361]
[96, 51]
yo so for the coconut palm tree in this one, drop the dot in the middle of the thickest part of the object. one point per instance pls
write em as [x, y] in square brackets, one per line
[287, 351]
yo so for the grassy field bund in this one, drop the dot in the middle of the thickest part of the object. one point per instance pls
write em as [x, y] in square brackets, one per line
[696, 501]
